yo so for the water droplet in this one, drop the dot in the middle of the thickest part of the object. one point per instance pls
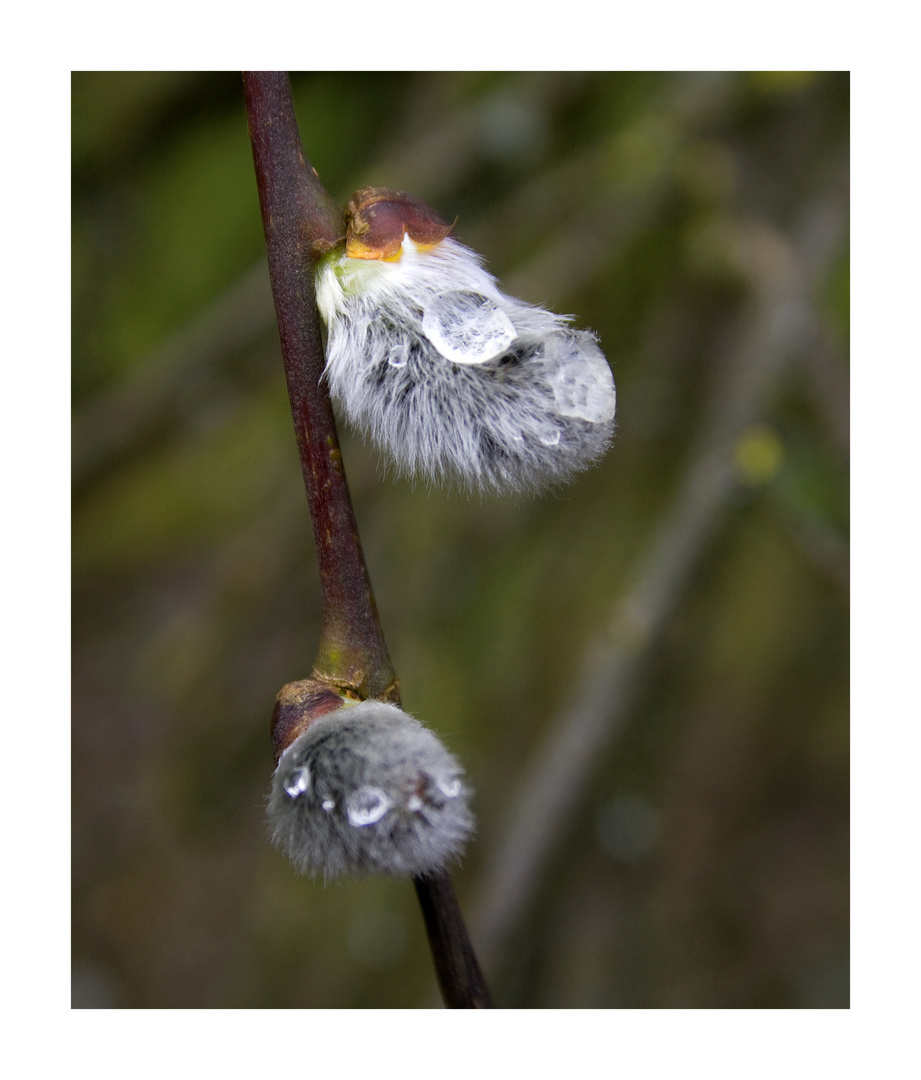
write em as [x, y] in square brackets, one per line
[399, 354]
[449, 786]
[328, 804]
[298, 782]
[367, 805]
[581, 381]
[466, 327]
[414, 803]
[548, 433]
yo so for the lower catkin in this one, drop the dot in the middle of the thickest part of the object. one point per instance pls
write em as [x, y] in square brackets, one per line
[369, 789]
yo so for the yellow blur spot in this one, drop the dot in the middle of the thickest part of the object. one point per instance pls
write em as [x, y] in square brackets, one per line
[758, 455]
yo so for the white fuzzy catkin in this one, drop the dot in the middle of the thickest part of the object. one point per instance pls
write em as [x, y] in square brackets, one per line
[456, 380]
[369, 789]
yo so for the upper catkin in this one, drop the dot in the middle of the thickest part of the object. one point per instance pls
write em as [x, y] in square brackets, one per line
[454, 379]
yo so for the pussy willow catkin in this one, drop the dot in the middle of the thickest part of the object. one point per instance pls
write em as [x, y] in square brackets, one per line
[451, 377]
[369, 789]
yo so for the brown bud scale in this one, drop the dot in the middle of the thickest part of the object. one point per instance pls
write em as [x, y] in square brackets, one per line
[297, 705]
[377, 219]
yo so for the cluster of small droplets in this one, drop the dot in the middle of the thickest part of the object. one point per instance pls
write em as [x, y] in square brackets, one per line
[369, 789]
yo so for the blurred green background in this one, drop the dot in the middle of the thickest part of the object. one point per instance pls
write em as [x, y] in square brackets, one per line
[702, 861]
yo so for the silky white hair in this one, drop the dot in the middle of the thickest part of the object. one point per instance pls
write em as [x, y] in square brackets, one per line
[454, 379]
[369, 789]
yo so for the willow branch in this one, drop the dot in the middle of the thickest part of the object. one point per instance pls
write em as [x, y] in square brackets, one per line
[301, 223]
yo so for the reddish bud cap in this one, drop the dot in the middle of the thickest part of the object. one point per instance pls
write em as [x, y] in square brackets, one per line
[297, 705]
[378, 218]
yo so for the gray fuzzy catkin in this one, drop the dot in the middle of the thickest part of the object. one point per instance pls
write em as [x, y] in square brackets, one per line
[456, 380]
[369, 789]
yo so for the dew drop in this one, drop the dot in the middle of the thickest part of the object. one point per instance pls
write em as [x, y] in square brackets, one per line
[581, 381]
[367, 805]
[466, 327]
[414, 803]
[548, 433]
[449, 786]
[399, 354]
[328, 804]
[298, 782]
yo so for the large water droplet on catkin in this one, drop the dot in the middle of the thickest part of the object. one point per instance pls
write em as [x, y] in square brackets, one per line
[467, 328]
[367, 805]
[581, 380]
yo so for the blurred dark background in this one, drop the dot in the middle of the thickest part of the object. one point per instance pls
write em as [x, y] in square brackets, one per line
[698, 224]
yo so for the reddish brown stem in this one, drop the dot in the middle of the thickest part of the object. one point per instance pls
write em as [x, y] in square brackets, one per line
[301, 223]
